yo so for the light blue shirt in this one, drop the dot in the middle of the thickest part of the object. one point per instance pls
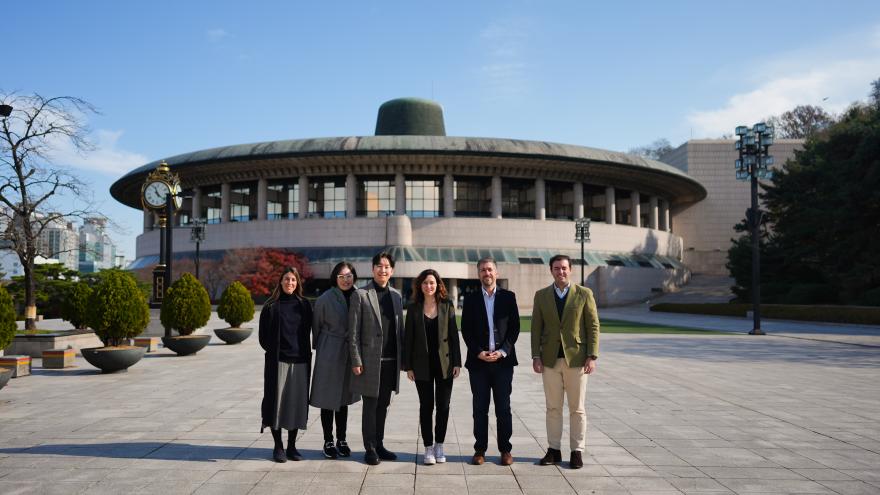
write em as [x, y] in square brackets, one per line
[489, 301]
[560, 293]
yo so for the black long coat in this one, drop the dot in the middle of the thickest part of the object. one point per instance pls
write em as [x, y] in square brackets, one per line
[415, 341]
[270, 341]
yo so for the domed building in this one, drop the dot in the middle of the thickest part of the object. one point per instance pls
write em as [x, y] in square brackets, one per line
[436, 201]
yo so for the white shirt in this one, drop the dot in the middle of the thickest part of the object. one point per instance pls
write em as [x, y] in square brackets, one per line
[489, 301]
[560, 293]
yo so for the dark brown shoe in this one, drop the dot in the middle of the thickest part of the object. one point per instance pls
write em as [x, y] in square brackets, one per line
[506, 459]
[478, 459]
[553, 456]
[576, 462]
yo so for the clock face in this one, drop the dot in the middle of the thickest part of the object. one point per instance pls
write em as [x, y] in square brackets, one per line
[178, 198]
[154, 193]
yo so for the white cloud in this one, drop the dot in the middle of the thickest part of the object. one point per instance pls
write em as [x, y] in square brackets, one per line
[505, 71]
[831, 76]
[216, 35]
[106, 157]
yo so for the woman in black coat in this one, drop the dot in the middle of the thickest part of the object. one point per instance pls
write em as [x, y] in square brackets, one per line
[431, 357]
[285, 326]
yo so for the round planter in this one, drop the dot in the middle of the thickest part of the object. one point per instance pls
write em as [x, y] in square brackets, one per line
[184, 345]
[113, 359]
[5, 375]
[233, 335]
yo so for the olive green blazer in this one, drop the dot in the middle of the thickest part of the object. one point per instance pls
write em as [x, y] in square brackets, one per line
[577, 332]
[415, 342]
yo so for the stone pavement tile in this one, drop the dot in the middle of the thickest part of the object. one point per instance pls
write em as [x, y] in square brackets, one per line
[541, 491]
[752, 473]
[372, 479]
[823, 474]
[455, 483]
[599, 484]
[617, 459]
[698, 485]
[439, 469]
[869, 475]
[338, 479]
[395, 467]
[291, 478]
[554, 483]
[586, 471]
[492, 482]
[109, 462]
[679, 471]
[168, 488]
[107, 487]
[271, 489]
[342, 466]
[230, 477]
[788, 459]
[248, 465]
[632, 471]
[399, 490]
[490, 467]
[644, 484]
[721, 457]
[224, 489]
[138, 475]
[521, 469]
[852, 487]
[774, 486]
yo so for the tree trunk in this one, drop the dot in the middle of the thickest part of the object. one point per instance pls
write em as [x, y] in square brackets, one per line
[30, 297]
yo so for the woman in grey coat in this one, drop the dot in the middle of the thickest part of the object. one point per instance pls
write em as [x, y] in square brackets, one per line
[332, 373]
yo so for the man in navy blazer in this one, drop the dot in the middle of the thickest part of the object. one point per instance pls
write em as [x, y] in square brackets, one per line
[490, 327]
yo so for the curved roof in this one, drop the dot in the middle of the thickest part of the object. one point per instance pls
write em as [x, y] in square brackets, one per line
[619, 169]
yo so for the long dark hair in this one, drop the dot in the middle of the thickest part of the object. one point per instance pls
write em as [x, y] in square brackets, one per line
[419, 296]
[338, 268]
[276, 293]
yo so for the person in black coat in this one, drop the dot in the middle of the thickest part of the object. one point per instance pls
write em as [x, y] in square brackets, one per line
[490, 327]
[285, 328]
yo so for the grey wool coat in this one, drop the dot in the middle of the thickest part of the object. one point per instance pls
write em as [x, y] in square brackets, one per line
[331, 377]
[365, 338]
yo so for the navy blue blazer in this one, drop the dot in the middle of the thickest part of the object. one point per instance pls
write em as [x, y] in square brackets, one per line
[475, 327]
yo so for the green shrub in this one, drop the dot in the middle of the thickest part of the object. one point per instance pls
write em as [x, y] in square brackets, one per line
[810, 294]
[236, 305]
[871, 297]
[7, 319]
[74, 306]
[186, 305]
[117, 309]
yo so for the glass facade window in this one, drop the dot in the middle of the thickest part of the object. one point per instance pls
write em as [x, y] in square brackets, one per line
[282, 199]
[211, 204]
[424, 197]
[594, 203]
[473, 196]
[560, 200]
[517, 198]
[243, 201]
[375, 196]
[327, 197]
[184, 214]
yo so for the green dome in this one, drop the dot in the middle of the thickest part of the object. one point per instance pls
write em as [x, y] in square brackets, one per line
[410, 117]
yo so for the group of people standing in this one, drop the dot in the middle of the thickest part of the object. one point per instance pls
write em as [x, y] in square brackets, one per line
[362, 342]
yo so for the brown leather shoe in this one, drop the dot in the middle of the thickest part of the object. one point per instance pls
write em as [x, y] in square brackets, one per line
[576, 462]
[478, 459]
[553, 456]
[506, 459]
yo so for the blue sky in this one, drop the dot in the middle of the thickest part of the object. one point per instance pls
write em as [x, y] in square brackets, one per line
[172, 77]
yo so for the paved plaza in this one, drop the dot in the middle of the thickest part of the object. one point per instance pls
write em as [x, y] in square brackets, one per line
[713, 414]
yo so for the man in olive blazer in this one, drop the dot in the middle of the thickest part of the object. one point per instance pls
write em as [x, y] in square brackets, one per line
[565, 347]
[375, 326]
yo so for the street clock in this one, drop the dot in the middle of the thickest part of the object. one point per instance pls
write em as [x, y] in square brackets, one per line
[158, 185]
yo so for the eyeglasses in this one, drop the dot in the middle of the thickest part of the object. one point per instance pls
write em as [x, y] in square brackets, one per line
[346, 276]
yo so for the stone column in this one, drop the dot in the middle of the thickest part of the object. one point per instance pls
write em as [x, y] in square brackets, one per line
[448, 196]
[399, 194]
[262, 198]
[197, 202]
[303, 196]
[610, 206]
[452, 290]
[224, 202]
[496, 196]
[350, 196]
[635, 209]
[664, 216]
[653, 213]
[540, 199]
[578, 200]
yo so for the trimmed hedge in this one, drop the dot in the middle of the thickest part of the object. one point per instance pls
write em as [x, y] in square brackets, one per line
[117, 309]
[236, 305]
[7, 319]
[186, 306]
[862, 315]
[75, 305]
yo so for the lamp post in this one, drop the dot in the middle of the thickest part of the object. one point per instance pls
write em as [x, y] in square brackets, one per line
[582, 235]
[197, 235]
[753, 164]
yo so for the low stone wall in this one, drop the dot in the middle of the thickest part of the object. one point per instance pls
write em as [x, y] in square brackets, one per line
[34, 345]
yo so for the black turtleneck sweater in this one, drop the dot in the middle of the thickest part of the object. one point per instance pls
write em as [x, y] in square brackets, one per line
[389, 324]
[293, 341]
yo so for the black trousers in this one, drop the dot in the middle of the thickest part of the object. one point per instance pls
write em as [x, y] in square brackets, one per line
[495, 380]
[438, 389]
[375, 409]
[341, 416]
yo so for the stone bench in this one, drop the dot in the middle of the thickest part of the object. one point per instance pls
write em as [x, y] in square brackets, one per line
[151, 343]
[21, 365]
[58, 358]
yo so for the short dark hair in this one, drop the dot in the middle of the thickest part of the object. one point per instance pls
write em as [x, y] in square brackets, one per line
[560, 257]
[338, 268]
[486, 259]
[384, 254]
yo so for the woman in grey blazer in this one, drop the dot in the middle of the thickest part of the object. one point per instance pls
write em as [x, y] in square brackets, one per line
[332, 374]
[431, 357]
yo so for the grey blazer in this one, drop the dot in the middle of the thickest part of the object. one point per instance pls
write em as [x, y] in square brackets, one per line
[365, 338]
[331, 377]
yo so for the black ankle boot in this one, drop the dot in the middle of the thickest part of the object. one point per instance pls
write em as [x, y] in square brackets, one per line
[292, 453]
[278, 451]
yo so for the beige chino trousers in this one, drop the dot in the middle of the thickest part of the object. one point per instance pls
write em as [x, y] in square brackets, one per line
[572, 382]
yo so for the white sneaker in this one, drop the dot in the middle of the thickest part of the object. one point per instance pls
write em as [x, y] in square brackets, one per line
[429, 456]
[438, 453]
